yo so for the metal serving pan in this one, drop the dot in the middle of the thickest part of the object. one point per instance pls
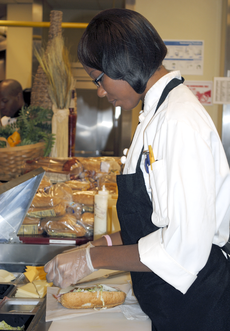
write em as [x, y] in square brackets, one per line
[15, 320]
[6, 289]
[22, 306]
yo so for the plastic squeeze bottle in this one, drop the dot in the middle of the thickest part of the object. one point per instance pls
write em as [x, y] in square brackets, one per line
[100, 213]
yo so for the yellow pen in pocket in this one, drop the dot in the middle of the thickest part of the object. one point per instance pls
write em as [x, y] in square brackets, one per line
[151, 156]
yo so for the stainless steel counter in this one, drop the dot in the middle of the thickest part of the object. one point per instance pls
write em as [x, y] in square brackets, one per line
[29, 254]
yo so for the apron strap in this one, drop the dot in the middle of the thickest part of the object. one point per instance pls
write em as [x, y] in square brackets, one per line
[169, 87]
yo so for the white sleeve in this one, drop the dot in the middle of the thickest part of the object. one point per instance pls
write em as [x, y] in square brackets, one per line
[183, 184]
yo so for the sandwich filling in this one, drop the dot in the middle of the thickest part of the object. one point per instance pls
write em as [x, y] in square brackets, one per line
[94, 288]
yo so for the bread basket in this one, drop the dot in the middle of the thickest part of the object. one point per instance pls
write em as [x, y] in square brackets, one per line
[12, 159]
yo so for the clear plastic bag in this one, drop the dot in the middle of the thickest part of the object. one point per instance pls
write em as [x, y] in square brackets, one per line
[65, 226]
[62, 191]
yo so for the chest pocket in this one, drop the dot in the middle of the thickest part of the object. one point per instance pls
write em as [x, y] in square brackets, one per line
[158, 184]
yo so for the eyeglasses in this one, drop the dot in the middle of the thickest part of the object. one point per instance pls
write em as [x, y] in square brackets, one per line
[98, 79]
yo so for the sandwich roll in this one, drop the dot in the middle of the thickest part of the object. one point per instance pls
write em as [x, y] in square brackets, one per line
[43, 200]
[84, 197]
[87, 219]
[58, 210]
[95, 296]
[64, 226]
[78, 185]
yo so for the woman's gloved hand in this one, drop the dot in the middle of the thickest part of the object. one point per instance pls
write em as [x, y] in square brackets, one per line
[68, 268]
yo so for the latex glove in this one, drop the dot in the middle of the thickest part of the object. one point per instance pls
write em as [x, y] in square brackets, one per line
[68, 268]
[79, 247]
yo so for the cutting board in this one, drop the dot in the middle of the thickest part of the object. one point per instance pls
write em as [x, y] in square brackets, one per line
[115, 321]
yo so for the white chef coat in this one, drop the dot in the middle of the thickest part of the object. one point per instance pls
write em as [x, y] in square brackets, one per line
[189, 184]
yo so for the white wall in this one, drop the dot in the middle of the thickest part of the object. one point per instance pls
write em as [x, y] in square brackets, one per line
[19, 45]
[191, 20]
[173, 19]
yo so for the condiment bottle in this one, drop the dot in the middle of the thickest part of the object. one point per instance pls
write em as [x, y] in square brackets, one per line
[72, 125]
[100, 213]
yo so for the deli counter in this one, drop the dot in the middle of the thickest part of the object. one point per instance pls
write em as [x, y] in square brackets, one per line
[32, 244]
[15, 257]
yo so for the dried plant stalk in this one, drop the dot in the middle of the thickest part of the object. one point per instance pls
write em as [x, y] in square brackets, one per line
[56, 65]
[57, 68]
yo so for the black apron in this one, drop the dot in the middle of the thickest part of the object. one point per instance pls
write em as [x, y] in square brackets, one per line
[206, 304]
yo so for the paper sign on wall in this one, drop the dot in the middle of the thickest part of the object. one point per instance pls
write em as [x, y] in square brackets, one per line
[202, 90]
[221, 90]
[185, 55]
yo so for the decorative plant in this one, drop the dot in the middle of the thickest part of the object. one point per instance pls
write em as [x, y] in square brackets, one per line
[57, 67]
[34, 125]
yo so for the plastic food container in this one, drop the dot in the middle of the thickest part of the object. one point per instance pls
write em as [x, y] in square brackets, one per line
[15, 320]
[6, 290]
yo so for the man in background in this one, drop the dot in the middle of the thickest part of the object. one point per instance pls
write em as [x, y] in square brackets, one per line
[11, 100]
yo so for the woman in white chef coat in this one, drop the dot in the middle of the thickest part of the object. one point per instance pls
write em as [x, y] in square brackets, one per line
[174, 194]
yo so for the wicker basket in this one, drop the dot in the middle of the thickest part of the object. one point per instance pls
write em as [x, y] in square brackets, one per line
[12, 159]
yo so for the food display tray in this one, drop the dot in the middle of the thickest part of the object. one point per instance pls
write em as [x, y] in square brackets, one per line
[18, 311]
[6, 289]
[15, 320]
[15, 258]
[54, 240]
[20, 306]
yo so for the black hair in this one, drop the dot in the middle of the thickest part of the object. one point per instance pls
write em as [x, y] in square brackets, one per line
[12, 85]
[124, 45]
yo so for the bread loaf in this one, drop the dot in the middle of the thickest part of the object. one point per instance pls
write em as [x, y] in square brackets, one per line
[65, 226]
[91, 164]
[31, 220]
[62, 191]
[57, 210]
[87, 219]
[41, 200]
[44, 184]
[84, 197]
[78, 185]
[101, 164]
